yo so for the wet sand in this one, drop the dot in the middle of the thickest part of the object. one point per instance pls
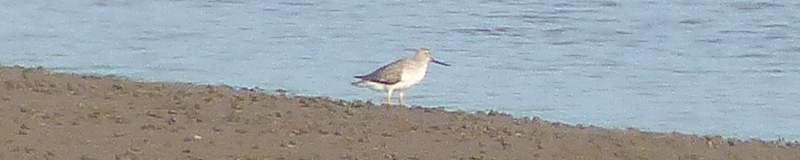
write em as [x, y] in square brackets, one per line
[46, 115]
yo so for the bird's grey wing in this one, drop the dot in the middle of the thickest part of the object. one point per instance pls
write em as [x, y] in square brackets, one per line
[389, 74]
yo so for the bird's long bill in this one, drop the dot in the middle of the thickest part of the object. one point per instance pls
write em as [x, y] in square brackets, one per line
[440, 62]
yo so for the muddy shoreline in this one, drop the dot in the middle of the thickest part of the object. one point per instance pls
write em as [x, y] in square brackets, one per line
[46, 115]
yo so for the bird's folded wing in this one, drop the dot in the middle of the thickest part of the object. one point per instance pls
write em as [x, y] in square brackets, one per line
[389, 74]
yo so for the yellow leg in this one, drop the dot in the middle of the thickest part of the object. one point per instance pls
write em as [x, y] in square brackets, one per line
[389, 97]
[402, 98]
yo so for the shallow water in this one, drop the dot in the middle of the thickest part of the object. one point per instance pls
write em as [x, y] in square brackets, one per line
[710, 67]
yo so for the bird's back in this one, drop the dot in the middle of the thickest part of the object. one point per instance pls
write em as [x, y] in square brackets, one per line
[388, 74]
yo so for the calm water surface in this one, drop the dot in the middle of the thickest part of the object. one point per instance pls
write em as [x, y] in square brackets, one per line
[708, 67]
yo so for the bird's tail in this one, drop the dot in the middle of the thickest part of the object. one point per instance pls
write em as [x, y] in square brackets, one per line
[357, 84]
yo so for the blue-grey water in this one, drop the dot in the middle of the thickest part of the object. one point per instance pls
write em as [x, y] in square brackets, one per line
[707, 67]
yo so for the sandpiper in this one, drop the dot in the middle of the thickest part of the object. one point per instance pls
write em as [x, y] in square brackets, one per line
[399, 75]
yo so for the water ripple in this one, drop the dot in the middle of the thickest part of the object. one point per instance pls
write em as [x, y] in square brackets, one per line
[749, 6]
[302, 3]
[498, 31]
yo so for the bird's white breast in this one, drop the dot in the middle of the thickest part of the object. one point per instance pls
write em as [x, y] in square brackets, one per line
[412, 75]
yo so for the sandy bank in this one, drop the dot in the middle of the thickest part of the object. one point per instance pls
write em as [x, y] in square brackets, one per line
[46, 115]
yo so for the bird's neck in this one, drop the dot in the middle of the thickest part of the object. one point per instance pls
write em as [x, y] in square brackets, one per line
[420, 58]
